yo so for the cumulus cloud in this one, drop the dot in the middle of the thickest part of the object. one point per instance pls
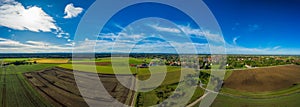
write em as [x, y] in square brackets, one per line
[15, 16]
[72, 11]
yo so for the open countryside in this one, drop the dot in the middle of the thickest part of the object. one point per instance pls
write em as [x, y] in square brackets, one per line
[149, 53]
[52, 83]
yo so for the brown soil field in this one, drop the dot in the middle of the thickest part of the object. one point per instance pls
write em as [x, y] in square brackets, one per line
[58, 86]
[264, 79]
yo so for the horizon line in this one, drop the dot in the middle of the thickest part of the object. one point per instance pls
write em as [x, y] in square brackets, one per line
[151, 53]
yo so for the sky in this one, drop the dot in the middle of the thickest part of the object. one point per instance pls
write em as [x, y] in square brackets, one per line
[248, 27]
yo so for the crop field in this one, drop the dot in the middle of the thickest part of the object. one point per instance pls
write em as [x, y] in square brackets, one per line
[109, 69]
[50, 61]
[283, 101]
[7, 60]
[108, 59]
[264, 79]
[100, 69]
[267, 87]
[15, 91]
[58, 86]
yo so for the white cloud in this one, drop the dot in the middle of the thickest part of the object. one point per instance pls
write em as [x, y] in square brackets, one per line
[202, 33]
[72, 11]
[165, 29]
[6, 1]
[70, 44]
[36, 43]
[12, 46]
[15, 16]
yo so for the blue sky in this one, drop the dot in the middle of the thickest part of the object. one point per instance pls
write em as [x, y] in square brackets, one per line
[248, 27]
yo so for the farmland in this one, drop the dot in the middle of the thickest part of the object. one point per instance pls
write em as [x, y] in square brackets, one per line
[264, 79]
[50, 60]
[268, 87]
[50, 82]
[58, 86]
[109, 69]
[15, 59]
[38, 60]
[16, 91]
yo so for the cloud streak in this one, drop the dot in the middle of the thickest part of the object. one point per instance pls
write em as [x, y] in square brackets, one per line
[165, 29]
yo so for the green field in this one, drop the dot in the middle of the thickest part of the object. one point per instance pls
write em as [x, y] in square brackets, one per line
[233, 98]
[284, 101]
[109, 69]
[151, 98]
[7, 60]
[108, 59]
[16, 91]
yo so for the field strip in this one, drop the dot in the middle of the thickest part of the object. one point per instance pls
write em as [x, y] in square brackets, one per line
[4, 86]
[249, 97]
[27, 94]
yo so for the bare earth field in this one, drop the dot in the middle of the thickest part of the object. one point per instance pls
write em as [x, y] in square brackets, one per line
[264, 79]
[59, 87]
